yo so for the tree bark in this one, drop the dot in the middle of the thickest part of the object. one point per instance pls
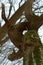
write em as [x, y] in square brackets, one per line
[27, 59]
[16, 35]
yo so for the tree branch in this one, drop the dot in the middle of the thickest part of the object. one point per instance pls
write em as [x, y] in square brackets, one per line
[3, 41]
[3, 12]
[38, 8]
[10, 10]
[15, 56]
[17, 14]
[28, 8]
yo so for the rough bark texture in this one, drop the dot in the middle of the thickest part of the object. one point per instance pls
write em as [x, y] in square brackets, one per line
[31, 46]
[27, 59]
[14, 32]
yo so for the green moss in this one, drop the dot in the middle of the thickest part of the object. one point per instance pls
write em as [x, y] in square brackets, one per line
[31, 35]
[37, 56]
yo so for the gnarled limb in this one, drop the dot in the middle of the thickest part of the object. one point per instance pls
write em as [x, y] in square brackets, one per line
[15, 38]
[15, 34]
[17, 31]
[15, 55]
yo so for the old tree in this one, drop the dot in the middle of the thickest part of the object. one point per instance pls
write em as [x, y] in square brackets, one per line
[29, 44]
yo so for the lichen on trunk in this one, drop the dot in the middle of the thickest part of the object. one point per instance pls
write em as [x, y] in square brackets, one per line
[31, 41]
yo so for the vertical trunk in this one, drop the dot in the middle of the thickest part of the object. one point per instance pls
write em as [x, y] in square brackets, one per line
[37, 56]
[28, 60]
[31, 43]
[28, 8]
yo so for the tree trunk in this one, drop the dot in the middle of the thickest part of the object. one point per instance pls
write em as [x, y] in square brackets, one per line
[28, 60]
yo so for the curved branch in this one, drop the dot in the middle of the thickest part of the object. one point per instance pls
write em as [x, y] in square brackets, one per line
[15, 56]
[16, 36]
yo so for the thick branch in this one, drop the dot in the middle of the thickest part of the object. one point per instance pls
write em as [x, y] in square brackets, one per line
[28, 8]
[2, 34]
[16, 56]
[38, 24]
[17, 32]
[35, 23]
[17, 14]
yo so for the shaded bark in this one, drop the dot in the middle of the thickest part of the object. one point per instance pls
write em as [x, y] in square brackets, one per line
[3, 41]
[27, 54]
[28, 8]
[15, 55]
